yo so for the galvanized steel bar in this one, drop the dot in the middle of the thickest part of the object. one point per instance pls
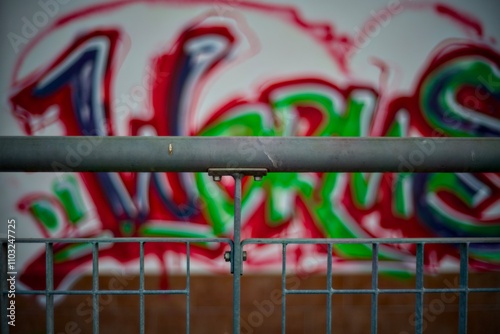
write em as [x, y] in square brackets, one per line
[49, 287]
[368, 241]
[329, 286]
[283, 288]
[188, 287]
[237, 255]
[384, 291]
[103, 292]
[95, 287]
[141, 288]
[464, 285]
[276, 154]
[291, 292]
[122, 240]
[419, 301]
[374, 287]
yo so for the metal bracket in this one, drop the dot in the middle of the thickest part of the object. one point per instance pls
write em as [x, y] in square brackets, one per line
[218, 173]
[236, 256]
[228, 257]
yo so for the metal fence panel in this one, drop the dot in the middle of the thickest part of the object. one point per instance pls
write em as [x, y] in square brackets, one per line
[213, 155]
[96, 292]
[463, 290]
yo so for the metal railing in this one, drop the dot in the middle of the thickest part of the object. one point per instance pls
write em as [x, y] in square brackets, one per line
[275, 154]
[214, 155]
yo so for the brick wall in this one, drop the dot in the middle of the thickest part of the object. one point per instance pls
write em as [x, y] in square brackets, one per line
[211, 306]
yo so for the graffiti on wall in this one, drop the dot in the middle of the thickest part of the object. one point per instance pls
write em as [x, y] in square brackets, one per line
[77, 88]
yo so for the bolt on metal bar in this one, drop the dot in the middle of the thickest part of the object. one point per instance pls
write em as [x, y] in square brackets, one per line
[374, 287]
[464, 284]
[49, 287]
[3, 285]
[95, 287]
[276, 154]
[419, 302]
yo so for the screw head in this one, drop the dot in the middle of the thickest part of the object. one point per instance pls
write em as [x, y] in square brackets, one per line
[227, 256]
[257, 178]
[217, 178]
[244, 255]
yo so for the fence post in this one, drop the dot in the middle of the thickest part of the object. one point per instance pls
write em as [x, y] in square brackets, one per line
[237, 256]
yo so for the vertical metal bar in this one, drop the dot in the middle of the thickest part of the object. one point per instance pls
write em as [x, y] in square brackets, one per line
[419, 303]
[3, 286]
[237, 257]
[283, 290]
[374, 287]
[188, 286]
[141, 287]
[329, 288]
[95, 287]
[464, 286]
[49, 287]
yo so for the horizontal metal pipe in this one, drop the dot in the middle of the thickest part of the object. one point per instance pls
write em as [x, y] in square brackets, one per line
[288, 291]
[120, 240]
[385, 291]
[319, 241]
[362, 241]
[276, 154]
[101, 292]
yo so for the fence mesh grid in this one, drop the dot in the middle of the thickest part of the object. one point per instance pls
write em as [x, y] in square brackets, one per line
[420, 290]
[95, 292]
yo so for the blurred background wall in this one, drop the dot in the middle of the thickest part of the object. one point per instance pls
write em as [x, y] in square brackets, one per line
[250, 68]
